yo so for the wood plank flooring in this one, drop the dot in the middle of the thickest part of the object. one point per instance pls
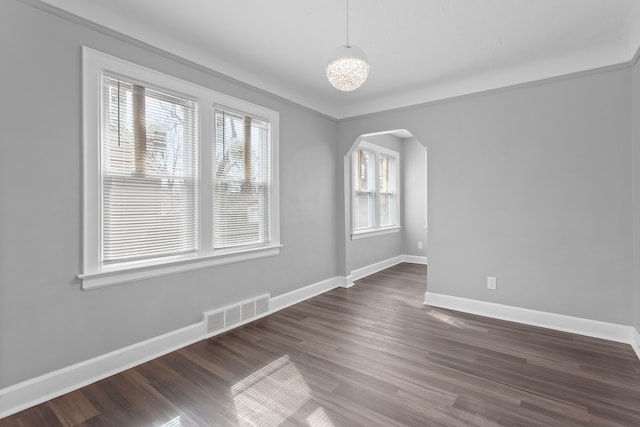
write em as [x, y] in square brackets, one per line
[371, 355]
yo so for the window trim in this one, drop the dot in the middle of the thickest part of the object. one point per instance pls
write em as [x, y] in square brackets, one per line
[374, 233]
[94, 274]
[376, 230]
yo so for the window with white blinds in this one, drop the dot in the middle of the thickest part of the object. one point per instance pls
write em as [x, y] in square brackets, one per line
[241, 180]
[176, 176]
[375, 189]
[149, 172]
[364, 191]
[387, 190]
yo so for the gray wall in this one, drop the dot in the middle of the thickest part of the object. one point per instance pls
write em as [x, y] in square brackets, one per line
[367, 251]
[414, 195]
[635, 120]
[46, 321]
[530, 184]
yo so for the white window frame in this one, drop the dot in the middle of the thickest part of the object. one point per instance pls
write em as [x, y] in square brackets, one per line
[376, 229]
[96, 275]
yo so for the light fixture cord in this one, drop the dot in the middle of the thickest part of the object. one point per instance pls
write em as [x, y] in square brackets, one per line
[347, 22]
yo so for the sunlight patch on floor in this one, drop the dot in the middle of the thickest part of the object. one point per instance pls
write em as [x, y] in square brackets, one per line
[446, 319]
[174, 422]
[319, 418]
[272, 394]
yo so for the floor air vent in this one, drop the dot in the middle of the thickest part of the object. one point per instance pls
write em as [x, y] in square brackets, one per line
[262, 305]
[232, 316]
[214, 321]
[248, 310]
[225, 318]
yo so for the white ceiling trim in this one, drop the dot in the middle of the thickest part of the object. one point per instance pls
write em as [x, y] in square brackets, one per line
[480, 84]
[367, 101]
[68, 16]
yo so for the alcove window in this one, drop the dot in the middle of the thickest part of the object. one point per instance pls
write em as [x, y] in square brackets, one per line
[375, 189]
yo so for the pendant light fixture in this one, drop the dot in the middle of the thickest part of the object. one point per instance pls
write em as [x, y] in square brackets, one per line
[347, 67]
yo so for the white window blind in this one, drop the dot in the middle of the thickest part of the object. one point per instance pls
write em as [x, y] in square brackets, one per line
[242, 180]
[387, 185]
[375, 188]
[149, 173]
[364, 188]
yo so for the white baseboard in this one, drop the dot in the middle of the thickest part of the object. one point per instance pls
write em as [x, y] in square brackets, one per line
[299, 295]
[381, 265]
[359, 273]
[414, 259]
[375, 267]
[347, 282]
[635, 342]
[32, 392]
[560, 322]
[40, 389]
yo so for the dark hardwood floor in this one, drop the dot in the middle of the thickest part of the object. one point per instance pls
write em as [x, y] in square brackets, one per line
[371, 355]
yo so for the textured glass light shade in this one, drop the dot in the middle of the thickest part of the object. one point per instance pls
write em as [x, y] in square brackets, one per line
[347, 68]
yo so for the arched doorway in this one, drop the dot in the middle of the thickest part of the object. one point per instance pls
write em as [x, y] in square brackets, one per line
[370, 249]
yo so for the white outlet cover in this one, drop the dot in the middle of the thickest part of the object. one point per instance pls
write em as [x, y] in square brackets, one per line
[492, 283]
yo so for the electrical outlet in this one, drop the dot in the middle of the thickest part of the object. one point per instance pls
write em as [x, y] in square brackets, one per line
[492, 283]
[419, 245]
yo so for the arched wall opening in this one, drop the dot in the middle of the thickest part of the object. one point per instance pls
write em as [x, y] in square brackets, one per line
[373, 251]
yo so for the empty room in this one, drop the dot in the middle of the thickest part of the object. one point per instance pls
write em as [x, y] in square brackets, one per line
[320, 213]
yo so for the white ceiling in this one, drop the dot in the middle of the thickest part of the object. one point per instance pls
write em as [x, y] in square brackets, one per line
[419, 50]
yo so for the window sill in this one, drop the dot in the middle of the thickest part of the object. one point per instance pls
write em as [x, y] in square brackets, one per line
[129, 273]
[374, 233]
